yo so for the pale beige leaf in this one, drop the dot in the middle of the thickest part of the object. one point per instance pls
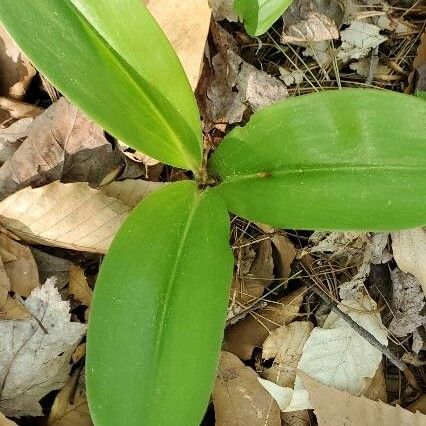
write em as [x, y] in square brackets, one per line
[72, 216]
[186, 25]
[337, 355]
[130, 191]
[35, 352]
[285, 345]
[70, 406]
[79, 287]
[409, 250]
[334, 407]
[358, 40]
[5, 421]
[238, 397]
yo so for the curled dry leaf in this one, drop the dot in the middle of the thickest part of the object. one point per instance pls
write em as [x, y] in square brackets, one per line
[11, 137]
[285, 345]
[15, 69]
[237, 84]
[87, 219]
[238, 397]
[408, 302]
[79, 287]
[249, 286]
[19, 109]
[186, 25]
[409, 250]
[50, 266]
[35, 354]
[20, 266]
[334, 407]
[70, 407]
[62, 144]
[241, 338]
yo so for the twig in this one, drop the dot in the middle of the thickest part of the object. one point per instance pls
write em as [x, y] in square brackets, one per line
[394, 359]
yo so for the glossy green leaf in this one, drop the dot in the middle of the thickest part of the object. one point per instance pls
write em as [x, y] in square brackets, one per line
[260, 15]
[111, 59]
[158, 312]
[350, 159]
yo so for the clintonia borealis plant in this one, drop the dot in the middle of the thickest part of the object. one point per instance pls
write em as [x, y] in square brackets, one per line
[348, 159]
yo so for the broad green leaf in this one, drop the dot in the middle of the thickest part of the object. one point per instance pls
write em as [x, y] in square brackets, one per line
[350, 159]
[158, 311]
[260, 15]
[112, 60]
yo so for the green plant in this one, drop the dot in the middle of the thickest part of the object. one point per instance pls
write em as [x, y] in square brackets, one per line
[350, 159]
[259, 15]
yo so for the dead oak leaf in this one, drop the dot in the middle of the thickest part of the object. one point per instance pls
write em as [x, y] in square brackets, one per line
[62, 144]
[35, 359]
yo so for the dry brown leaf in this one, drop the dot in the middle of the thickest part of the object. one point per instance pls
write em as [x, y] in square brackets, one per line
[70, 406]
[238, 397]
[296, 418]
[63, 144]
[79, 353]
[72, 216]
[15, 69]
[52, 266]
[223, 9]
[418, 405]
[5, 421]
[79, 287]
[336, 408]
[286, 253]
[19, 265]
[285, 345]
[19, 109]
[186, 25]
[376, 390]
[237, 84]
[315, 27]
[417, 77]
[250, 286]
[11, 137]
[409, 250]
[241, 338]
[407, 304]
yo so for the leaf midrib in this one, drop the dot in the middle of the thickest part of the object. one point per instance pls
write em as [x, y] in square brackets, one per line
[310, 170]
[127, 68]
[172, 277]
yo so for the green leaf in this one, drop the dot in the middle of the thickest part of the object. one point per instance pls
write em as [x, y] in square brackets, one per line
[350, 159]
[112, 60]
[158, 312]
[260, 15]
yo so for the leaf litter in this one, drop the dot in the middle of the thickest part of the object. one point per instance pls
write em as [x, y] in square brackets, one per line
[275, 330]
